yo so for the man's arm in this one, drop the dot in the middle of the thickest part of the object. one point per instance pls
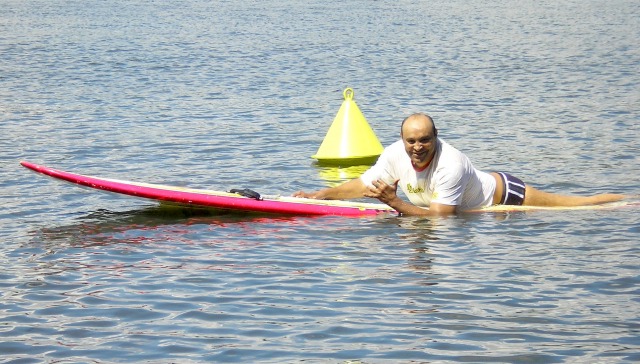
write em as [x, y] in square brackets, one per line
[388, 194]
[350, 189]
[381, 191]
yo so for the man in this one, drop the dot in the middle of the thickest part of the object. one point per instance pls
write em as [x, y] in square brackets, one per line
[440, 180]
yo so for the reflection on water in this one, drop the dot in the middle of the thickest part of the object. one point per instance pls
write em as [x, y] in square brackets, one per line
[218, 285]
[334, 176]
[105, 226]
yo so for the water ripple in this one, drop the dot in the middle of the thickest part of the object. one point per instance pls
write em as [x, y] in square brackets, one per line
[239, 94]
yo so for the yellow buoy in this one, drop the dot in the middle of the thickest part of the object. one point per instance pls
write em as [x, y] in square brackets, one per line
[350, 140]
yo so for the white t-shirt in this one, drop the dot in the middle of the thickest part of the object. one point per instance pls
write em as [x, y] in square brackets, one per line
[450, 178]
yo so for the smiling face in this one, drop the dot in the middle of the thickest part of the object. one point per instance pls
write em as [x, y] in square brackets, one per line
[419, 136]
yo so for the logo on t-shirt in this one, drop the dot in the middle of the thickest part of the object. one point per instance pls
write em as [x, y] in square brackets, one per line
[411, 189]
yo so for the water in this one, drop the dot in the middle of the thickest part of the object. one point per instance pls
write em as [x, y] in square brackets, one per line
[240, 94]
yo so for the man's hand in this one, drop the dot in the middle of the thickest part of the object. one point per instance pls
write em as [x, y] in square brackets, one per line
[384, 192]
[354, 188]
[315, 195]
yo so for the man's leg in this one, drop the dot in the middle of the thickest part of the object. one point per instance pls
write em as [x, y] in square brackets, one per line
[535, 197]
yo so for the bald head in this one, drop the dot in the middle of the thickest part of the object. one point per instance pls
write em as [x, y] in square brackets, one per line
[420, 139]
[420, 121]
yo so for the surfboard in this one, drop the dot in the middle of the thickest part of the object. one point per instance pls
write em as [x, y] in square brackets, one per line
[245, 200]
[241, 200]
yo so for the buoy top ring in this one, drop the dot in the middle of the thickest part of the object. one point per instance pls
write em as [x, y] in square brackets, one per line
[348, 93]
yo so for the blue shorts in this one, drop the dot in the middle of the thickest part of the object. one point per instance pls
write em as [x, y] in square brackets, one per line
[513, 191]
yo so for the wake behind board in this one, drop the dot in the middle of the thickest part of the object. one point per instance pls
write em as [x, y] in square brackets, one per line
[217, 199]
[267, 204]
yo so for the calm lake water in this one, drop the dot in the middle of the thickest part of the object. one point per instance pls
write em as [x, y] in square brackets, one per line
[235, 94]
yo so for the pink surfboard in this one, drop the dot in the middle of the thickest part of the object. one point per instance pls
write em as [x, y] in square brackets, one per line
[217, 199]
[264, 204]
